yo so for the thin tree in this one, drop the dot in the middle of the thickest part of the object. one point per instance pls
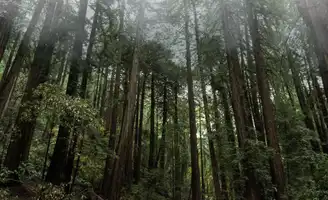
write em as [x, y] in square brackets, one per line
[195, 174]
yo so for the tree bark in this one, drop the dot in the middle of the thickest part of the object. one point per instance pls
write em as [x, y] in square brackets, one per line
[8, 13]
[87, 67]
[311, 18]
[19, 145]
[214, 162]
[116, 182]
[162, 151]
[114, 109]
[151, 161]
[11, 72]
[253, 190]
[308, 120]
[60, 162]
[195, 176]
[139, 133]
[276, 165]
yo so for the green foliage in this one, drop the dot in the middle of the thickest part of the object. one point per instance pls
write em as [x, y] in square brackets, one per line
[1, 69]
[304, 168]
[153, 186]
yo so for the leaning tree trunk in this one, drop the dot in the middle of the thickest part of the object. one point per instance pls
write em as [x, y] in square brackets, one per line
[8, 13]
[195, 178]
[11, 54]
[58, 171]
[253, 189]
[276, 165]
[311, 17]
[308, 120]
[10, 74]
[19, 146]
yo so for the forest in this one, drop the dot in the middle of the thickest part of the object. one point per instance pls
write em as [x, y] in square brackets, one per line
[163, 99]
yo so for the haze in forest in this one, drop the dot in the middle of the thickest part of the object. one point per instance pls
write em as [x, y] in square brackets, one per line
[163, 99]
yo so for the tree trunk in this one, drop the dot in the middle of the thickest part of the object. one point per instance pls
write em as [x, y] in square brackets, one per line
[307, 10]
[151, 161]
[62, 63]
[162, 151]
[276, 165]
[177, 163]
[201, 156]
[11, 73]
[195, 179]
[214, 162]
[254, 92]
[87, 67]
[19, 146]
[11, 55]
[104, 92]
[116, 182]
[139, 132]
[114, 109]
[57, 171]
[8, 14]
[301, 98]
[101, 85]
[253, 190]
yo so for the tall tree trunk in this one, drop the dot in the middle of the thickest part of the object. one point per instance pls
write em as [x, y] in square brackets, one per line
[62, 67]
[87, 67]
[254, 91]
[12, 52]
[214, 162]
[11, 72]
[107, 114]
[320, 116]
[57, 171]
[201, 156]
[97, 85]
[307, 9]
[177, 163]
[276, 165]
[226, 177]
[195, 179]
[115, 107]
[104, 92]
[253, 190]
[162, 151]
[139, 133]
[8, 13]
[101, 85]
[151, 161]
[6, 95]
[301, 98]
[116, 182]
[19, 146]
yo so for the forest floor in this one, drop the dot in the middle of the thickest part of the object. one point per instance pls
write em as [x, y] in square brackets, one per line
[38, 191]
